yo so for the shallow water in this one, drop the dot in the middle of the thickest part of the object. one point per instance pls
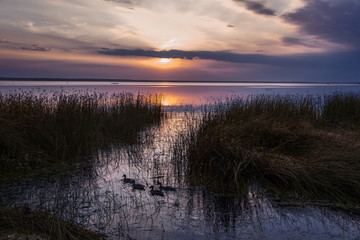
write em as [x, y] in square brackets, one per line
[96, 197]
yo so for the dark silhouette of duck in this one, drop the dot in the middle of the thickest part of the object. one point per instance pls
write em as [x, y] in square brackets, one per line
[26, 209]
[166, 188]
[137, 186]
[127, 180]
[154, 192]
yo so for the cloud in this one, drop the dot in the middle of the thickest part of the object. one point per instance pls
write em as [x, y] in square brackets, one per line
[325, 67]
[37, 48]
[127, 3]
[334, 21]
[299, 41]
[193, 55]
[340, 63]
[22, 46]
[258, 7]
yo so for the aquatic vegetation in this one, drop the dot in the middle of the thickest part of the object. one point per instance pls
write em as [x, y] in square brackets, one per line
[294, 147]
[15, 224]
[40, 129]
[342, 110]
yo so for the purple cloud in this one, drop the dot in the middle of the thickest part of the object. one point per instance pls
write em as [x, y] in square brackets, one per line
[335, 21]
[258, 7]
[36, 48]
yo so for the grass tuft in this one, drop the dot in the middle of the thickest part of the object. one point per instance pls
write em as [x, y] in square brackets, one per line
[14, 224]
[294, 147]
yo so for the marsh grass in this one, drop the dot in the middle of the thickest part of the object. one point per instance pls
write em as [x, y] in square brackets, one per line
[342, 110]
[14, 224]
[40, 129]
[295, 147]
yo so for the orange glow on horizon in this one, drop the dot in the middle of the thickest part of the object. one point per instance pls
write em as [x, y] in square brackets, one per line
[165, 60]
[170, 100]
[56, 55]
[165, 103]
[165, 63]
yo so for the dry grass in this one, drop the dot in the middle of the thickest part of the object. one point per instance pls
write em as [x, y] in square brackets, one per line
[14, 224]
[290, 146]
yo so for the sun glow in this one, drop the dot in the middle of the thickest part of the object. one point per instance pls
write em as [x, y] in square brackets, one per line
[165, 63]
[169, 100]
[165, 103]
[165, 60]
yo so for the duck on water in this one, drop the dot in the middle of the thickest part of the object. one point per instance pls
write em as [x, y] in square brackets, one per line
[137, 186]
[155, 192]
[166, 188]
[127, 180]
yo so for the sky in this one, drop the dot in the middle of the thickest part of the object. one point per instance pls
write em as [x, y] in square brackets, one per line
[199, 40]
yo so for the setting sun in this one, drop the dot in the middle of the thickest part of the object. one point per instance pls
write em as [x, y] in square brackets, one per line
[165, 103]
[165, 60]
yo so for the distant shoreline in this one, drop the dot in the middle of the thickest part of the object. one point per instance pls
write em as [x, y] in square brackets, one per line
[157, 81]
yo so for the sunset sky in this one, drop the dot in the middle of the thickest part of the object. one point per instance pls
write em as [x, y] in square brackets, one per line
[217, 40]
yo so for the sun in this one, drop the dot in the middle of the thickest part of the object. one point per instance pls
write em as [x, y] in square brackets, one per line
[165, 60]
[165, 103]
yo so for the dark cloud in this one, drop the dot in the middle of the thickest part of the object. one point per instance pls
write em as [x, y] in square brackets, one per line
[298, 41]
[339, 64]
[126, 2]
[325, 67]
[193, 55]
[258, 7]
[35, 47]
[23, 46]
[335, 21]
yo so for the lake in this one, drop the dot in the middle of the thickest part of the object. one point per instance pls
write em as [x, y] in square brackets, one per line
[183, 93]
[96, 197]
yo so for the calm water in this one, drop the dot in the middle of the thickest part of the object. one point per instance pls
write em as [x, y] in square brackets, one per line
[183, 93]
[96, 198]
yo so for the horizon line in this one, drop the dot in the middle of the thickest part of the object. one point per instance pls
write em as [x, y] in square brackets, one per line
[118, 80]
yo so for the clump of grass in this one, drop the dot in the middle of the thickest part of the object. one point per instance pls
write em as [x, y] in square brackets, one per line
[40, 225]
[343, 109]
[291, 146]
[38, 130]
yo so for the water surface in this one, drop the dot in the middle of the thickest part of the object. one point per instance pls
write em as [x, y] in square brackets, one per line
[96, 197]
[183, 93]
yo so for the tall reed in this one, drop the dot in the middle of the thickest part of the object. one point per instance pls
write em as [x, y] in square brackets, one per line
[38, 129]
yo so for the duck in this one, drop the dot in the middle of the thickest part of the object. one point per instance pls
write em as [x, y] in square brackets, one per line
[127, 180]
[156, 192]
[137, 186]
[166, 188]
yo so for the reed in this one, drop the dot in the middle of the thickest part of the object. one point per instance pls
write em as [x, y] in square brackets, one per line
[40, 129]
[291, 146]
[342, 110]
[14, 224]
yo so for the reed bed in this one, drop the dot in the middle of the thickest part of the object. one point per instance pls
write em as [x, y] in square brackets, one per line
[40, 129]
[14, 224]
[295, 147]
